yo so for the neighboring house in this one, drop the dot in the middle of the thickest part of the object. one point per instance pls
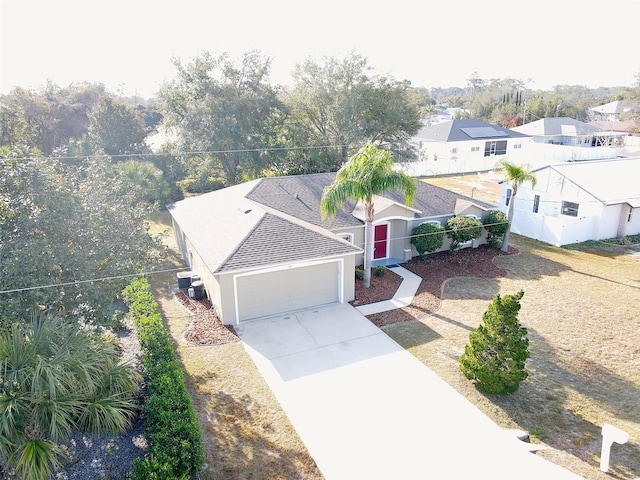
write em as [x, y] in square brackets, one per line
[463, 146]
[445, 114]
[609, 112]
[262, 249]
[564, 139]
[575, 202]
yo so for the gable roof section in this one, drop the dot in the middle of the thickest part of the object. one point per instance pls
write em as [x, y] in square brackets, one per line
[299, 196]
[610, 181]
[216, 222]
[433, 201]
[465, 130]
[557, 126]
[294, 243]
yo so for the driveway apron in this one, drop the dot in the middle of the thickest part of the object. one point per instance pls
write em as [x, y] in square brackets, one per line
[367, 409]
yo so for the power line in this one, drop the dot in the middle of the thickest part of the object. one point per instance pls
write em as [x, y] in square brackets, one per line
[154, 272]
[177, 154]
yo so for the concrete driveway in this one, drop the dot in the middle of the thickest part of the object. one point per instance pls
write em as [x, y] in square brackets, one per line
[367, 409]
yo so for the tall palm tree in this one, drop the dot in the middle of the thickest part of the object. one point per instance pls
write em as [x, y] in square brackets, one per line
[368, 173]
[55, 377]
[517, 175]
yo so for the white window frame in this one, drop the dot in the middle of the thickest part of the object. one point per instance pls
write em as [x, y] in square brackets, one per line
[349, 237]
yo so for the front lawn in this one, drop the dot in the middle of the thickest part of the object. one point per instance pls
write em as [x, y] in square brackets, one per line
[581, 310]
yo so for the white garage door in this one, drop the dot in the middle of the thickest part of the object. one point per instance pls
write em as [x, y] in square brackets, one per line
[270, 293]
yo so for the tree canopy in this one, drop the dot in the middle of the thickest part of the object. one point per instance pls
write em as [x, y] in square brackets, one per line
[226, 110]
[63, 223]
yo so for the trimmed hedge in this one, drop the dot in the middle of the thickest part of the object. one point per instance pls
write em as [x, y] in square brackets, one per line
[172, 429]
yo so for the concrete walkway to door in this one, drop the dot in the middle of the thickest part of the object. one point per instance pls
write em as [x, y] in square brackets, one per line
[367, 409]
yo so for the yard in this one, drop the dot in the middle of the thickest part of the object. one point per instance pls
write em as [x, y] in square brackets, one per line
[581, 311]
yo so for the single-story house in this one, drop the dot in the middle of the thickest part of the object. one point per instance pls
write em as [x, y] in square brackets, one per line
[463, 146]
[261, 247]
[576, 202]
[565, 139]
[609, 112]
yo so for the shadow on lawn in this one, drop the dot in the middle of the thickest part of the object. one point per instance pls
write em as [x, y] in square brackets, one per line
[548, 404]
[245, 443]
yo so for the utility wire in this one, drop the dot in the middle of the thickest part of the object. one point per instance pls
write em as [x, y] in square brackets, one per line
[176, 154]
[155, 272]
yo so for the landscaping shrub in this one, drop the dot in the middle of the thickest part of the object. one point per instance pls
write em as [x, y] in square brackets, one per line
[461, 229]
[173, 432]
[494, 359]
[359, 274]
[379, 271]
[427, 237]
[496, 225]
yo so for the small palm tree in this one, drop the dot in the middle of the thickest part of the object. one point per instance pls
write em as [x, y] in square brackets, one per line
[517, 175]
[367, 174]
[55, 377]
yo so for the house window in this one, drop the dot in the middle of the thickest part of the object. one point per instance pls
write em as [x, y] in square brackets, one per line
[570, 208]
[517, 145]
[434, 222]
[536, 203]
[494, 147]
[454, 150]
[347, 236]
[475, 149]
[508, 197]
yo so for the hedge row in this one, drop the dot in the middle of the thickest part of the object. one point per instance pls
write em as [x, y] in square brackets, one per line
[173, 432]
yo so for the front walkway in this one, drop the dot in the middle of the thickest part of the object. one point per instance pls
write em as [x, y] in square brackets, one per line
[368, 409]
[403, 296]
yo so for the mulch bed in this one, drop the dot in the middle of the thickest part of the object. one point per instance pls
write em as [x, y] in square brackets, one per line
[435, 270]
[205, 328]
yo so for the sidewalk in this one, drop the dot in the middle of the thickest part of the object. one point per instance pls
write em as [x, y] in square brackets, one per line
[403, 296]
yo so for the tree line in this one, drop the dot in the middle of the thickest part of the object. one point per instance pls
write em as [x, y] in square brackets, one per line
[226, 122]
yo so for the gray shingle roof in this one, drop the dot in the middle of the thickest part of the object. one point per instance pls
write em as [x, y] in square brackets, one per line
[557, 126]
[277, 240]
[465, 130]
[299, 196]
[277, 220]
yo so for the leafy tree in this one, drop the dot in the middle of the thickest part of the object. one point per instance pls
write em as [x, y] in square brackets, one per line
[427, 237]
[58, 377]
[461, 229]
[47, 118]
[368, 173]
[494, 359]
[339, 103]
[62, 224]
[517, 175]
[226, 109]
[496, 225]
[116, 129]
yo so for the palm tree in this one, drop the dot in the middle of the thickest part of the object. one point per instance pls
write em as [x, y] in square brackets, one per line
[517, 175]
[366, 174]
[57, 376]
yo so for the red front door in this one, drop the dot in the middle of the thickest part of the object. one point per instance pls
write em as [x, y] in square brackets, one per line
[380, 241]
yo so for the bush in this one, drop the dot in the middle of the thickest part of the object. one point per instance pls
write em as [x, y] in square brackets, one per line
[173, 432]
[427, 237]
[496, 225]
[461, 229]
[359, 274]
[379, 271]
[494, 359]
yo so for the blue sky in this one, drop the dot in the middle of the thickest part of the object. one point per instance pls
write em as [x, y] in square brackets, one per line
[128, 45]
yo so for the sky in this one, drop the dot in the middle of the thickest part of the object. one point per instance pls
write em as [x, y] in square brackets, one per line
[129, 45]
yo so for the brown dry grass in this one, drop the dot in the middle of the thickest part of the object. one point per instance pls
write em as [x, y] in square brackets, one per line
[581, 310]
[245, 432]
